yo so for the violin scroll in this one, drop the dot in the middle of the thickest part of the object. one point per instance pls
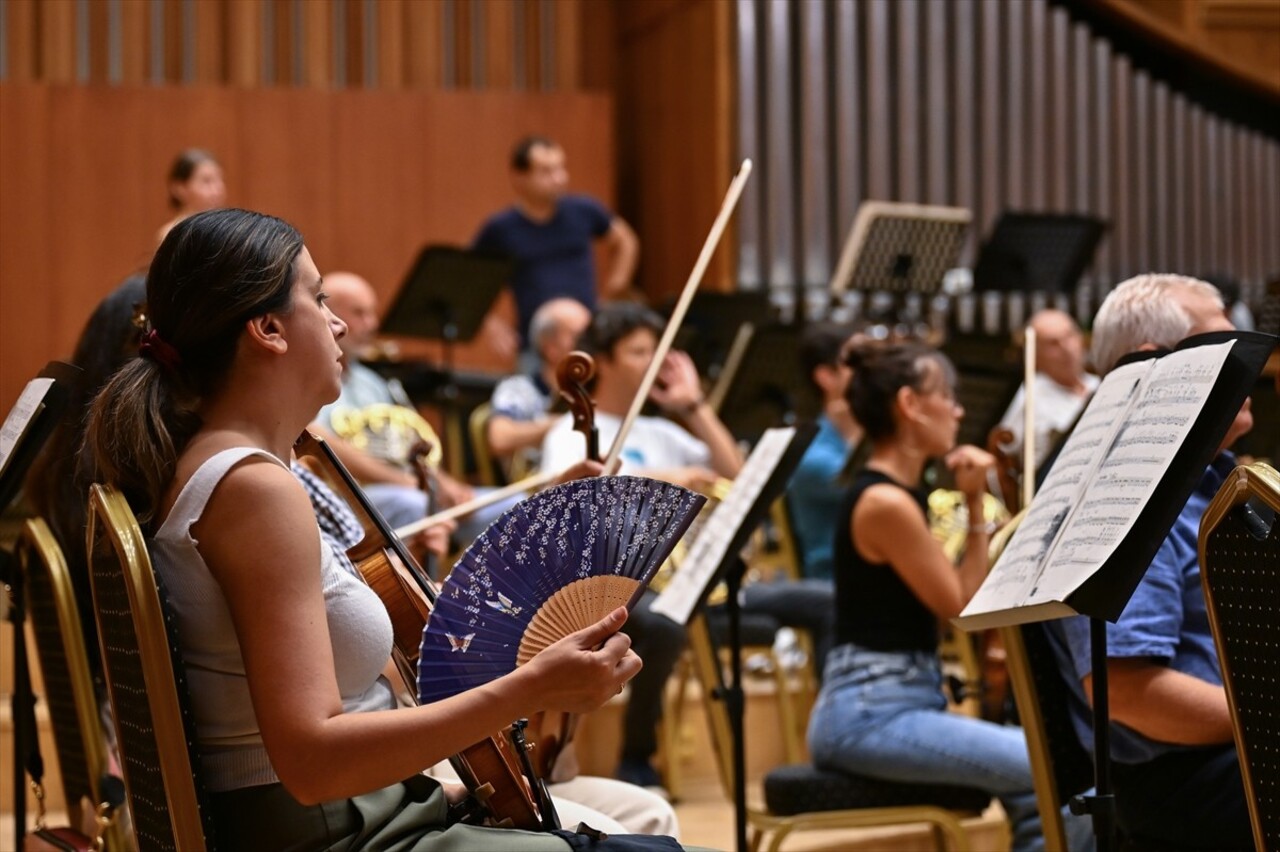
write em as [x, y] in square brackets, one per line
[572, 374]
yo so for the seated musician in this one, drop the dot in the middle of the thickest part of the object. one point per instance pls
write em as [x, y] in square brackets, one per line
[622, 337]
[613, 807]
[285, 651]
[1062, 385]
[373, 427]
[521, 404]
[813, 495]
[1176, 776]
[881, 711]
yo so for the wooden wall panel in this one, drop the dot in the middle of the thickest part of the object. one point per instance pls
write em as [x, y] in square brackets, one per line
[23, 46]
[57, 40]
[135, 39]
[369, 178]
[676, 145]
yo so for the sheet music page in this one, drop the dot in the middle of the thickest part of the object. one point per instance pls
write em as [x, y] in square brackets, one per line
[709, 550]
[1012, 578]
[1166, 408]
[20, 416]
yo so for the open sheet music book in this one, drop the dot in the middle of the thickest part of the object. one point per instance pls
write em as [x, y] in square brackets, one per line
[762, 480]
[38, 410]
[1123, 475]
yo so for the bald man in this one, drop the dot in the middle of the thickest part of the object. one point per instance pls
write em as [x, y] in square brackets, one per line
[1062, 385]
[373, 425]
[521, 403]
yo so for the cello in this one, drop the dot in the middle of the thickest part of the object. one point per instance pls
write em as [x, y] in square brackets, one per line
[493, 770]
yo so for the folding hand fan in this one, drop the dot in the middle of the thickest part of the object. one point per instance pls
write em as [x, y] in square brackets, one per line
[553, 564]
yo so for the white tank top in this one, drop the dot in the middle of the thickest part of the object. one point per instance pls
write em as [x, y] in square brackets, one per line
[227, 730]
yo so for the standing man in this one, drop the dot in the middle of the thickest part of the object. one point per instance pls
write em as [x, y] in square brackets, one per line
[550, 235]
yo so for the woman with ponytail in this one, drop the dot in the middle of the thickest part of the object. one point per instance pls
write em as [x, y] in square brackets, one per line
[284, 650]
[881, 711]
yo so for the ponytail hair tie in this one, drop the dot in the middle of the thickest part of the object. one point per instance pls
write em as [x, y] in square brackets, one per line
[153, 346]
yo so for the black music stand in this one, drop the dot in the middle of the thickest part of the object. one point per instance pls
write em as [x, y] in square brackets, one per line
[899, 248]
[754, 490]
[1037, 251]
[712, 322]
[762, 383]
[446, 296]
[29, 436]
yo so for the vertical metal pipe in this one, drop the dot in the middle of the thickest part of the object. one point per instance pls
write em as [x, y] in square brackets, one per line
[880, 102]
[814, 146]
[906, 93]
[780, 175]
[1015, 107]
[750, 144]
[965, 113]
[1040, 132]
[939, 134]
[849, 128]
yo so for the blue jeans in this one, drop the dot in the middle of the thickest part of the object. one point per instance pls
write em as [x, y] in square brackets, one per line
[883, 714]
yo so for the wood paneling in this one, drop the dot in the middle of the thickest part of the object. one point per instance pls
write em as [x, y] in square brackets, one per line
[675, 139]
[369, 178]
[1241, 37]
[57, 40]
[135, 40]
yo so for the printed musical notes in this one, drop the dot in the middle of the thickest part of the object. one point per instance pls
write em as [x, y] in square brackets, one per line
[1107, 473]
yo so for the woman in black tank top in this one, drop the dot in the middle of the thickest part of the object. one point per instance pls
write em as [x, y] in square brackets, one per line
[881, 711]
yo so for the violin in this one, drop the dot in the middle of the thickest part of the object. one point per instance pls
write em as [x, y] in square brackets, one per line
[493, 770]
[552, 732]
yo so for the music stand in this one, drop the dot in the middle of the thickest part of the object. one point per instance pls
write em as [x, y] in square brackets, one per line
[712, 322]
[40, 408]
[762, 383]
[1037, 251]
[716, 555]
[446, 296]
[902, 248]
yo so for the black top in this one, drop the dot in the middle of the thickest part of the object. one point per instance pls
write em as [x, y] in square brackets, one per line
[874, 607]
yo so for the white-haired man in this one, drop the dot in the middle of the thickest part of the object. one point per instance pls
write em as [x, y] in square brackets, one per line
[1177, 779]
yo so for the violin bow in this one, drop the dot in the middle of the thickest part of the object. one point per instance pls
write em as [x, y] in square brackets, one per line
[540, 480]
[734, 192]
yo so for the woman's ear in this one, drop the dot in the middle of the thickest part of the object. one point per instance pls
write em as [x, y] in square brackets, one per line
[907, 402]
[268, 332]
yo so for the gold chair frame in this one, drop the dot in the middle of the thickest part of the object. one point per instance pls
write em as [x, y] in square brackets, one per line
[478, 429]
[775, 828]
[1256, 481]
[38, 550]
[110, 518]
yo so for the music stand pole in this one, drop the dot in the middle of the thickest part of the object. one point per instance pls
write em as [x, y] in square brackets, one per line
[21, 700]
[1101, 805]
[734, 704]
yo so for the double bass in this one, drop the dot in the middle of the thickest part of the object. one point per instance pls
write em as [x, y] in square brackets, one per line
[494, 770]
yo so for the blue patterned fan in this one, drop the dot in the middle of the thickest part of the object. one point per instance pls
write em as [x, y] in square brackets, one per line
[553, 564]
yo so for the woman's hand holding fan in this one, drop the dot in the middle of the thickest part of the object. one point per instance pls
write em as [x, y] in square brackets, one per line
[549, 572]
[585, 669]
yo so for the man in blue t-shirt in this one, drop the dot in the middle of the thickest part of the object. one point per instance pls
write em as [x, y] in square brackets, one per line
[1177, 780]
[550, 235]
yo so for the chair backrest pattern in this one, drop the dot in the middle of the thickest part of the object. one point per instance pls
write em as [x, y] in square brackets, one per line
[69, 692]
[146, 682]
[1241, 579]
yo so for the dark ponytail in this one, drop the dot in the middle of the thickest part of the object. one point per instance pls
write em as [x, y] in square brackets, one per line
[213, 273]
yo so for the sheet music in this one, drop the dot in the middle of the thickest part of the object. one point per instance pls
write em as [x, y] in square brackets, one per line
[1167, 406]
[1108, 470]
[709, 550]
[1014, 576]
[20, 417]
